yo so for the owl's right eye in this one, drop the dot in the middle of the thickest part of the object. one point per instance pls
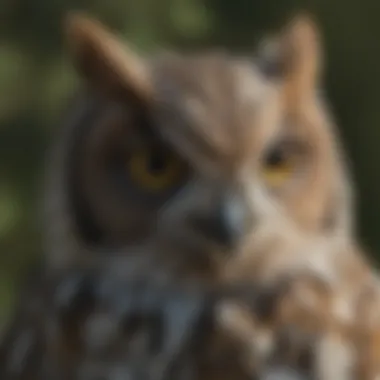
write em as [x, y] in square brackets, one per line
[278, 167]
[155, 169]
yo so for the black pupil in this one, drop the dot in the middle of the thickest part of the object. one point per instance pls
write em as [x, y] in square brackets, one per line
[157, 161]
[276, 158]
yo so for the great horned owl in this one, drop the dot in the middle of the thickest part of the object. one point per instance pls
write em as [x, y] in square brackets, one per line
[226, 168]
[230, 168]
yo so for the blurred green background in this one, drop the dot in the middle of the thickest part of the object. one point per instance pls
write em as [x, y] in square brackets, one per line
[36, 78]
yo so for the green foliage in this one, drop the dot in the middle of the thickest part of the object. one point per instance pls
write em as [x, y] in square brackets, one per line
[36, 78]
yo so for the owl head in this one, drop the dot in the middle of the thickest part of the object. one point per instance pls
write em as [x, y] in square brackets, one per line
[210, 154]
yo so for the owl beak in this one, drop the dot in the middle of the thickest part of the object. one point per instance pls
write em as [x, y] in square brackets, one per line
[226, 224]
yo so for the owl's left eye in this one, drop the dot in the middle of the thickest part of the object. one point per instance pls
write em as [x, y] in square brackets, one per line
[155, 169]
[278, 167]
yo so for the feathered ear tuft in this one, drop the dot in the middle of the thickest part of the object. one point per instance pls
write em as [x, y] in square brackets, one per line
[295, 55]
[302, 50]
[105, 61]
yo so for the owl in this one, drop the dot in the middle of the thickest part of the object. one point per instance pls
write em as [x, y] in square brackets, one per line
[253, 183]
[211, 167]
[226, 168]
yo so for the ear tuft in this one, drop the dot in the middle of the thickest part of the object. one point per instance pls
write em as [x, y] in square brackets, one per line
[103, 59]
[302, 37]
[302, 52]
[78, 25]
[83, 35]
[294, 56]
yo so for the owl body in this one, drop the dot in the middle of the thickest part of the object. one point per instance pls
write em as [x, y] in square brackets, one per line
[323, 327]
[92, 322]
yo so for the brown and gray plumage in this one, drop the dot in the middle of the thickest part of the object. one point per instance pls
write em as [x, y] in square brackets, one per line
[251, 181]
[210, 165]
[95, 323]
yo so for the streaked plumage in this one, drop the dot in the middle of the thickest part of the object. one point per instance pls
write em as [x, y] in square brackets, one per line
[213, 171]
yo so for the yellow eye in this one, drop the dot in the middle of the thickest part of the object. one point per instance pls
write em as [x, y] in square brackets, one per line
[155, 170]
[277, 169]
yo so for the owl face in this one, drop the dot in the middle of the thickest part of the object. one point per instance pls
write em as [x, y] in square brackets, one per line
[207, 153]
[257, 168]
